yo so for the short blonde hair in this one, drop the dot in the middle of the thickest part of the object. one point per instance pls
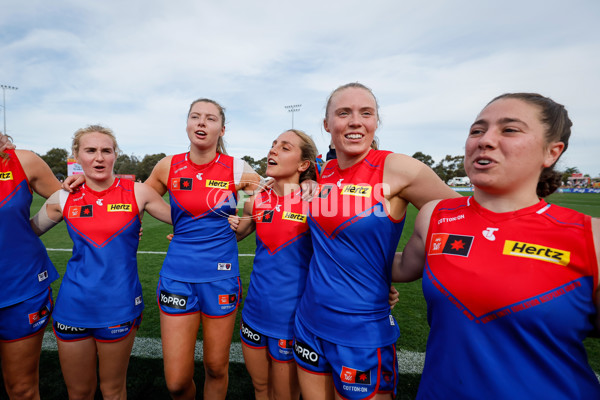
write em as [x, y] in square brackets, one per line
[90, 129]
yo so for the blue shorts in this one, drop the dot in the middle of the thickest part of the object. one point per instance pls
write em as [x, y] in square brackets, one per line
[280, 349]
[215, 299]
[26, 318]
[357, 372]
[66, 333]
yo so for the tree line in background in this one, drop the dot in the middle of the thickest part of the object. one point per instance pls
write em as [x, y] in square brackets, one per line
[447, 168]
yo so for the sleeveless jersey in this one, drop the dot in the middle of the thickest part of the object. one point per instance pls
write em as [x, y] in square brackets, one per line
[283, 252]
[354, 240]
[101, 287]
[204, 248]
[26, 268]
[509, 302]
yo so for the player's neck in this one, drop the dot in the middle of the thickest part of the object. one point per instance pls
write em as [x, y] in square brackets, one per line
[283, 187]
[201, 156]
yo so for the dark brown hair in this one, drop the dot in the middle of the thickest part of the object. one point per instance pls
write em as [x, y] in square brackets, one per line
[556, 119]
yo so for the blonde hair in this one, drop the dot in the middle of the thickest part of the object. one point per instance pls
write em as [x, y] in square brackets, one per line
[221, 141]
[90, 129]
[356, 85]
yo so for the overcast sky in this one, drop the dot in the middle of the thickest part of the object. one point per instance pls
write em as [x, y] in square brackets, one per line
[136, 66]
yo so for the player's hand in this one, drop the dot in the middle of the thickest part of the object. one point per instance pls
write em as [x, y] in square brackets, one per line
[141, 232]
[394, 296]
[73, 181]
[234, 222]
[170, 237]
[309, 189]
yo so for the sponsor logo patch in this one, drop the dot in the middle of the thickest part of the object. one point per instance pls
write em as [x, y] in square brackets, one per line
[226, 299]
[211, 183]
[537, 252]
[118, 207]
[250, 334]
[350, 375]
[66, 329]
[306, 353]
[290, 216]
[138, 300]
[181, 183]
[285, 344]
[357, 190]
[173, 300]
[445, 243]
[81, 211]
[39, 316]
[6, 176]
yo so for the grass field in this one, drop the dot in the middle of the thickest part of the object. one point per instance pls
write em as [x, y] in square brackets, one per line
[145, 377]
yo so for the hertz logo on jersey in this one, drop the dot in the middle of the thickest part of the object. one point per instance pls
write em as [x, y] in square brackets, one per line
[6, 176]
[290, 216]
[211, 183]
[118, 207]
[356, 190]
[536, 251]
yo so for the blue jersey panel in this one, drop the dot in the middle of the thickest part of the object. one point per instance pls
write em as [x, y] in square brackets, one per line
[26, 268]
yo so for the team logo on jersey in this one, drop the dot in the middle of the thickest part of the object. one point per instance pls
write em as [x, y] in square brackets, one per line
[267, 216]
[6, 176]
[181, 183]
[445, 243]
[211, 183]
[357, 190]
[224, 267]
[118, 207]
[536, 251]
[225, 299]
[324, 191]
[81, 211]
[138, 300]
[42, 276]
[350, 375]
[488, 233]
[38, 316]
[290, 216]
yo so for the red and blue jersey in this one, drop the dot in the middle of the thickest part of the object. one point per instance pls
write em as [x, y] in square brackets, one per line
[204, 248]
[354, 240]
[509, 301]
[283, 252]
[101, 286]
[26, 268]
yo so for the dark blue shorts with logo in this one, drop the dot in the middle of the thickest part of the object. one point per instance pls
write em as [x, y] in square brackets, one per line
[280, 349]
[67, 333]
[25, 319]
[357, 372]
[213, 299]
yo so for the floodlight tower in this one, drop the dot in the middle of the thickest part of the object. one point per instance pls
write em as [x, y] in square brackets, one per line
[4, 87]
[293, 108]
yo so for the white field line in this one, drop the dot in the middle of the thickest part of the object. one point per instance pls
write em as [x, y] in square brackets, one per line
[408, 362]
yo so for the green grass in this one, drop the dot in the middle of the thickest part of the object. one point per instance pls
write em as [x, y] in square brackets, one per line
[145, 379]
